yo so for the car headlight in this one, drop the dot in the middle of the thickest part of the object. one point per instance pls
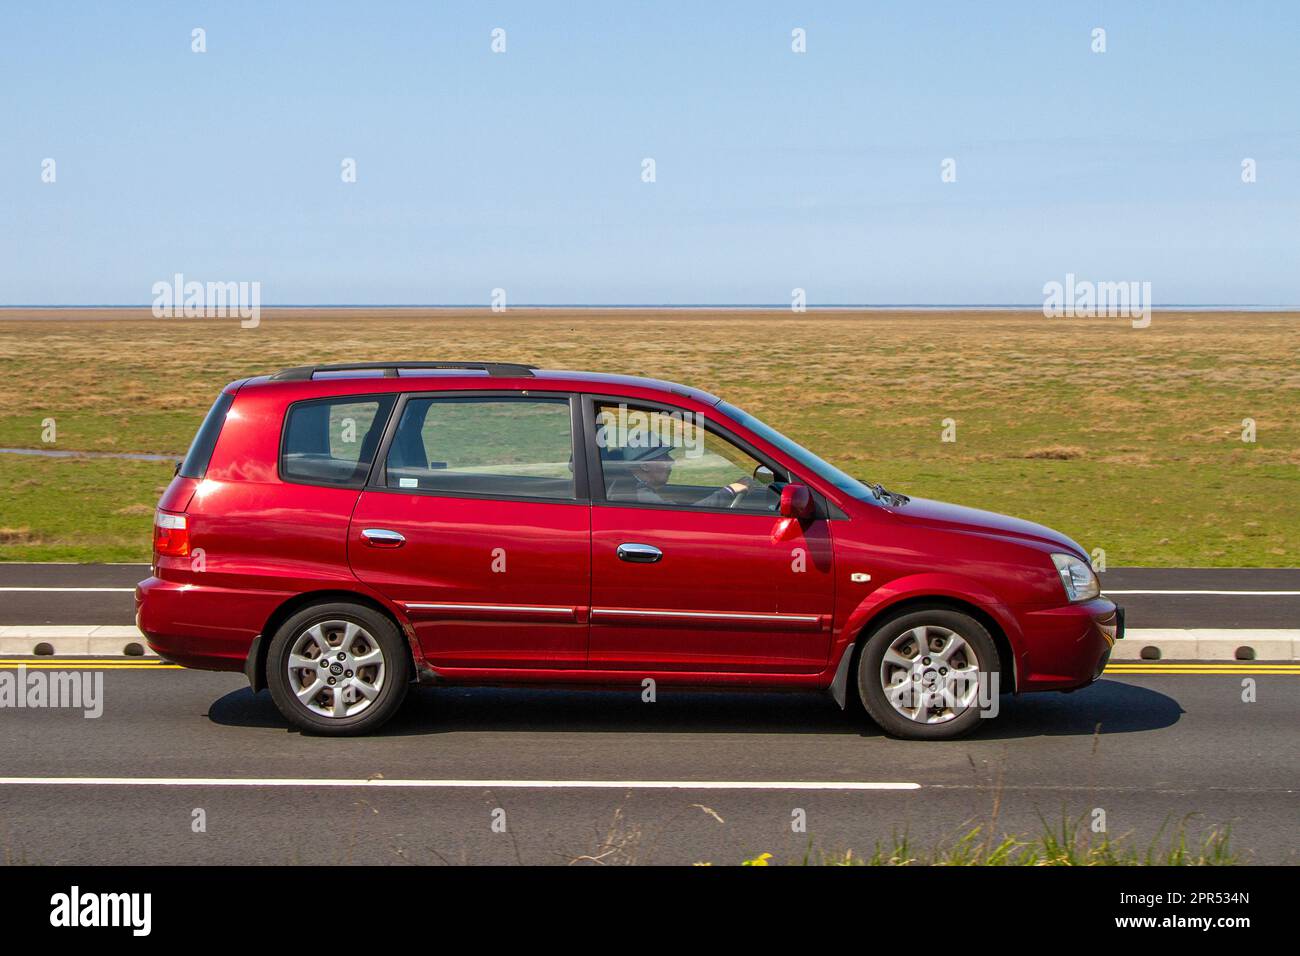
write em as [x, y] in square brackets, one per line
[1077, 577]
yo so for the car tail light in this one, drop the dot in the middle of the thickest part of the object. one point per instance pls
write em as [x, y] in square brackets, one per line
[171, 535]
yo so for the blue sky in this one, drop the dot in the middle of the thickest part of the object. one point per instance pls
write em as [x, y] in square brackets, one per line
[775, 170]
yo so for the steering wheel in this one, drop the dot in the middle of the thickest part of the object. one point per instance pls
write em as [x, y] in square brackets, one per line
[740, 496]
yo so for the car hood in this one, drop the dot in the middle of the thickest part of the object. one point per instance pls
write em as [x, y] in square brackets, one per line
[941, 514]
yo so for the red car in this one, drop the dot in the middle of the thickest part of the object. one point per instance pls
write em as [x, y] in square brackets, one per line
[341, 532]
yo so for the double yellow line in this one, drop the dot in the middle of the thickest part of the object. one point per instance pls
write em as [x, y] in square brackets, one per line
[88, 663]
[1215, 668]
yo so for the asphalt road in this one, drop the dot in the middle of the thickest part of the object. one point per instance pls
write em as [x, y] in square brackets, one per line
[1150, 751]
[1214, 610]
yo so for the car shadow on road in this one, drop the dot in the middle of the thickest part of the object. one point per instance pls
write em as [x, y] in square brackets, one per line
[1113, 706]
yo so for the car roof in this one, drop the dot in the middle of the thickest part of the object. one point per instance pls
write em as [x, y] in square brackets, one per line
[630, 381]
[472, 375]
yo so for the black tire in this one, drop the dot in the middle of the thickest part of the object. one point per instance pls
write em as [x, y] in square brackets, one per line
[871, 657]
[376, 628]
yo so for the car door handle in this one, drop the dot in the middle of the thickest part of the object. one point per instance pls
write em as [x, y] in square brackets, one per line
[639, 553]
[383, 538]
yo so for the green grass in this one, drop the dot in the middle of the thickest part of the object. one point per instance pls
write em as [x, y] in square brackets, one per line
[1069, 844]
[1127, 440]
[78, 509]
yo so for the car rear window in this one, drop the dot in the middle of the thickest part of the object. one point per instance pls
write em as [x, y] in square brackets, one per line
[332, 441]
[196, 460]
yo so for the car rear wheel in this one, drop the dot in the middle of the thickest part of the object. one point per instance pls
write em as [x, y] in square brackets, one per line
[337, 669]
[921, 675]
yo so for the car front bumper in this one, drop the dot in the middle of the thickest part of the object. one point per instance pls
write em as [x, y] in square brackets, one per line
[1068, 647]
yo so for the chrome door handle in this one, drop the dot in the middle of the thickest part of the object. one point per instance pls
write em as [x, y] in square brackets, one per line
[639, 553]
[383, 538]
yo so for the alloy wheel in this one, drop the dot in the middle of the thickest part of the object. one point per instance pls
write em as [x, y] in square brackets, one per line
[930, 674]
[336, 669]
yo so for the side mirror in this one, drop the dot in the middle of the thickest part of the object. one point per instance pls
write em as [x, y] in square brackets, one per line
[763, 475]
[796, 502]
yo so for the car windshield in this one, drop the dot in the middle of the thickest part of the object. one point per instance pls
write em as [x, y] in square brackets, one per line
[846, 483]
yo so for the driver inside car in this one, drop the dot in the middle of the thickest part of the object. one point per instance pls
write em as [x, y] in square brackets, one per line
[652, 466]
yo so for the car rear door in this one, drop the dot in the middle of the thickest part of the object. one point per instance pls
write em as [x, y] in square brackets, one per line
[477, 522]
[682, 580]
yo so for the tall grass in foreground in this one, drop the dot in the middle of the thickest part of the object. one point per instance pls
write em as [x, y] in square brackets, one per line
[1072, 844]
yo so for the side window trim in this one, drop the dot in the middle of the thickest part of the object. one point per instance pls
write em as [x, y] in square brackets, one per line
[382, 398]
[596, 477]
[378, 480]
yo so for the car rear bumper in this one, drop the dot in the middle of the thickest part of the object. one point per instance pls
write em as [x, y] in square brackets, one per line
[1068, 647]
[209, 628]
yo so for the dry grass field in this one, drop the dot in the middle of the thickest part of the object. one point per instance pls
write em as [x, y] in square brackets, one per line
[1128, 440]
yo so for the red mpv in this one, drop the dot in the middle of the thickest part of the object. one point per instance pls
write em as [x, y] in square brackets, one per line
[340, 532]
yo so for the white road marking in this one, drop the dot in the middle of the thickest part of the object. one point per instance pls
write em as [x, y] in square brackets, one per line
[1241, 593]
[115, 590]
[455, 784]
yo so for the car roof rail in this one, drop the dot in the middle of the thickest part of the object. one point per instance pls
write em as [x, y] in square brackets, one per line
[390, 369]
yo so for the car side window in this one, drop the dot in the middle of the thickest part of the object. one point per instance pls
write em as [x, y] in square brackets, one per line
[653, 456]
[492, 446]
[332, 441]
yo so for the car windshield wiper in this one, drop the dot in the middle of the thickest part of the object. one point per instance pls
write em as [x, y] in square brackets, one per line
[891, 498]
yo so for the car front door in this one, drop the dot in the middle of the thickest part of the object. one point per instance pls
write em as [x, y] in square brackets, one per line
[477, 523]
[688, 571]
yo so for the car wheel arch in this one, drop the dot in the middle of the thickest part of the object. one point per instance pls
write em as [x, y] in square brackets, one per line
[255, 667]
[842, 684]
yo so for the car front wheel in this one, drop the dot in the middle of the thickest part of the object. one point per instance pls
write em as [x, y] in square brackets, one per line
[925, 674]
[337, 669]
